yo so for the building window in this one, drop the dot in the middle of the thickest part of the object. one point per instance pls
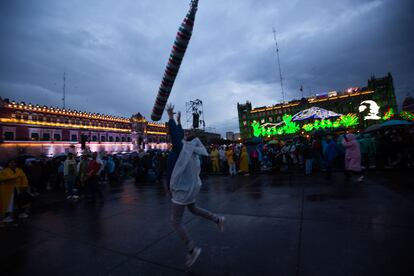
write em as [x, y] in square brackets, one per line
[56, 137]
[9, 136]
[46, 136]
[103, 138]
[34, 136]
[123, 139]
[18, 116]
[94, 138]
[111, 139]
[117, 139]
[25, 116]
[74, 137]
[129, 139]
[34, 117]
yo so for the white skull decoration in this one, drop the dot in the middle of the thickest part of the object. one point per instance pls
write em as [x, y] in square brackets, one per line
[373, 110]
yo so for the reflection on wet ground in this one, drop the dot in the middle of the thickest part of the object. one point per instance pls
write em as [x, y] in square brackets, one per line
[276, 225]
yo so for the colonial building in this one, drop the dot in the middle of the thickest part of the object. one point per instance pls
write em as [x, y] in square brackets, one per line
[149, 135]
[33, 129]
[378, 97]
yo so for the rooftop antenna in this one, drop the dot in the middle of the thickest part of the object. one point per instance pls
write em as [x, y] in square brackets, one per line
[64, 90]
[278, 61]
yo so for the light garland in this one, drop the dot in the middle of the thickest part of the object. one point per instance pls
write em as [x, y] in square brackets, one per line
[315, 113]
[347, 121]
[27, 122]
[408, 116]
[389, 114]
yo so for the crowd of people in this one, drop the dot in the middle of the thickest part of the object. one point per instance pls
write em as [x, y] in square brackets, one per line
[24, 178]
[320, 152]
[81, 177]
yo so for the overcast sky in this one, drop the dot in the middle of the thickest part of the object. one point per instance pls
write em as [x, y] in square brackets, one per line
[114, 52]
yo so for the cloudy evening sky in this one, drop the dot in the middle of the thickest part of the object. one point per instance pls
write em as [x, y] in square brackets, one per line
[114, 52]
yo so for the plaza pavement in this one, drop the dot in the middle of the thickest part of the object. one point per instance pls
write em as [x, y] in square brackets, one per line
[283, 224]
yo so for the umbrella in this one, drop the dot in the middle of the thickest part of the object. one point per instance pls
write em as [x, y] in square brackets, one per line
[174, 63]
[373, 128]
[393, 123]
[61, 157]
[254, 141]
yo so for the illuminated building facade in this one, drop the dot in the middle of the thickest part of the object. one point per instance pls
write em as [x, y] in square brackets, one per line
[360, 108]
[33, 129]
[149, 135]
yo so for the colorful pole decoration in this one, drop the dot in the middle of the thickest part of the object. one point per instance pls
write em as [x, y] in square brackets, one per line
[176, 57]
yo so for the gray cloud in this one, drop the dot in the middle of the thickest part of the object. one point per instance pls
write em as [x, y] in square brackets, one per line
[115, 53]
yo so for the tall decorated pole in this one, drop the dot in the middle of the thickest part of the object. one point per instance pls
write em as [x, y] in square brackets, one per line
[174, 63]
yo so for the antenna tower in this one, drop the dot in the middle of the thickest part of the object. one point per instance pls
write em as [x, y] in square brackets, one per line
[64, 90]
[278, 61]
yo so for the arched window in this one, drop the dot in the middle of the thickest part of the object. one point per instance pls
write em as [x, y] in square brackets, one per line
[94, 138]
[111, 139]
[129, 139]
[117, 139]
[123, 139]
[103, 138]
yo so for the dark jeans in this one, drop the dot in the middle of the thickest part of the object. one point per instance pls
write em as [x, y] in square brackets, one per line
[93, 188]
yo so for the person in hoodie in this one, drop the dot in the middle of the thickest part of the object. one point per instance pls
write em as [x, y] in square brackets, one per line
[330, 153]
[185, 184]
[352, 157]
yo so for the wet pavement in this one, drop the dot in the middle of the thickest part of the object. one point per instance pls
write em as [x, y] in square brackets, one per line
[276, 225]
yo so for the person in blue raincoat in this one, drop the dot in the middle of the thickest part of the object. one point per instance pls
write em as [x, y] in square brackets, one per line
[330, 153]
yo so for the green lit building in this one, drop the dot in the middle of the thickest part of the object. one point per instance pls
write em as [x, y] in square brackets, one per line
[366, 105]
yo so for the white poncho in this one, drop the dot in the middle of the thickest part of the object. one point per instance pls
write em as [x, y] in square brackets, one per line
[185, 181]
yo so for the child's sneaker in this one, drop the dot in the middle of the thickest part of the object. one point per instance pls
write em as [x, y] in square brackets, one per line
[192, 257]
[23, 216]
[8, 219]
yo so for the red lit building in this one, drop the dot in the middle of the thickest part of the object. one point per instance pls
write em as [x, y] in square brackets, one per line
[33, 129]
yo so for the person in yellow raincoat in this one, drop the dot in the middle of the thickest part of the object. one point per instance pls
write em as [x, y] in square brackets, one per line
[11, 178]
[230, 161]
[244, 161]
[215, 160]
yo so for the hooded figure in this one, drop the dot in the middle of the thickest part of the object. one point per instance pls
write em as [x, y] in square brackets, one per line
[352, 153]
[185, 179]
[244, 160]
